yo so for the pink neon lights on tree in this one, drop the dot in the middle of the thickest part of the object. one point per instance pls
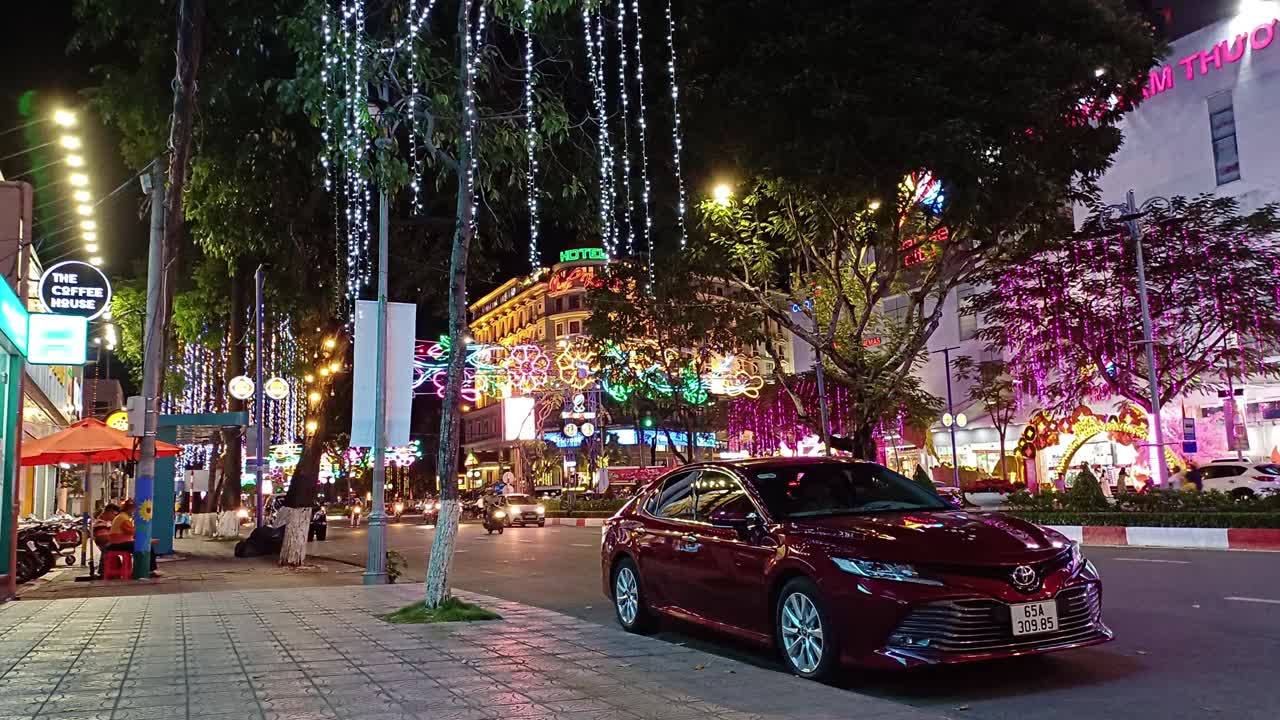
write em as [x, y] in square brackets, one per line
[1067, 317]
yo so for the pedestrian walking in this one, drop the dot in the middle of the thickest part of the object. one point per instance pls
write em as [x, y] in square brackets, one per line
[1122, 481]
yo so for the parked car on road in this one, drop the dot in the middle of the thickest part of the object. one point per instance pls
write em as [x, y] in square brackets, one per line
[1234, 477]
[836, 561]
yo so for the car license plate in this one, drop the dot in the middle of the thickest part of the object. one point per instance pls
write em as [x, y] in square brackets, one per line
[1034, 618]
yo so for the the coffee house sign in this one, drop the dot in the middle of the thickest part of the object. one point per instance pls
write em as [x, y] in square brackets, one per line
[75, 288]
[1225, 52]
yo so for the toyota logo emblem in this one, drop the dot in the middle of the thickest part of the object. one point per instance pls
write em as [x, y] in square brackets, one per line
[1024, 578]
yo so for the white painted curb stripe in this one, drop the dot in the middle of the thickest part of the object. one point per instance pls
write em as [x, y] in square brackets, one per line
[1073, 532]
[1208, 538]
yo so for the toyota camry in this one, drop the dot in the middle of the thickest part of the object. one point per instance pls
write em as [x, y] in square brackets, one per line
[834, 561]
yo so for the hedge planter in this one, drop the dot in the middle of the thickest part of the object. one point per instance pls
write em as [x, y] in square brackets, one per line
[1268, 520]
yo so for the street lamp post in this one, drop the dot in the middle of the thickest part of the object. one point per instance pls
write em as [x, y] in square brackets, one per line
[375, 572]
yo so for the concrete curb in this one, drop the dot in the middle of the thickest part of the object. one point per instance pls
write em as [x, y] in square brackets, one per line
[1165, 537]
[577, 522]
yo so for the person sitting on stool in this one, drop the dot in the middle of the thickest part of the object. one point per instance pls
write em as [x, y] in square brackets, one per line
[121, 535]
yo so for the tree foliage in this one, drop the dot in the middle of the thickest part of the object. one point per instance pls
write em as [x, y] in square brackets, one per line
[656, 337]
[1067, 316]
[991, 385]
[933, 160]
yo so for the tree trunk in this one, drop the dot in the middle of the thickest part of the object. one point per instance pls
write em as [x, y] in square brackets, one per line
[1004, 471]
[864, 444]
[234, 366]
[441, 558]
[297, 523]
[675, 449]
[301, 496]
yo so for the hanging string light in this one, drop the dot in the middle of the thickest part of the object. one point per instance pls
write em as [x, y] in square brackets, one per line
[412, 71]
[625, 100]
[595, 73]
[531, 139]
[646, 189]
[474, 43]
[676, 139]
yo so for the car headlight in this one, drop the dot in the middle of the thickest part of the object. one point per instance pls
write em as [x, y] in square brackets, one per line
[541, 509]
[499, 514]
[883, 571]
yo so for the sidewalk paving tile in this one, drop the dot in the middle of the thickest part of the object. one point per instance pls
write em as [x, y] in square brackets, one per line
[321, 654]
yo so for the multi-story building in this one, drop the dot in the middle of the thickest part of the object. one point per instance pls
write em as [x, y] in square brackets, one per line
[1206, 125]
[550, 309]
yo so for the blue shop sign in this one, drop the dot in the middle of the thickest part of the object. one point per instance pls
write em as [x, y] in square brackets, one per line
[13, 318]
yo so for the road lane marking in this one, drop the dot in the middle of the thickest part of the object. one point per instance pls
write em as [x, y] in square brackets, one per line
[1153, 560]
[581, 545]
[1264, 601]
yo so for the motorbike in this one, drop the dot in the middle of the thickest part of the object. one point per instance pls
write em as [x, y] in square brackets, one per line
[495, 519]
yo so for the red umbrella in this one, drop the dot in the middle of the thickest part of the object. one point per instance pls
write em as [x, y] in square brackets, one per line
[87, 441]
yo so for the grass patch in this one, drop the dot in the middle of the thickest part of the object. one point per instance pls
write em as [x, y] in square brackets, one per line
[451, 610]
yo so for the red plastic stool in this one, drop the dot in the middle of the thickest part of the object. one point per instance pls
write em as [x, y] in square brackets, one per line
[117, 565]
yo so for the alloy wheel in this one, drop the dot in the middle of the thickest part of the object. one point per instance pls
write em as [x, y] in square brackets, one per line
[626, 595]
[802, 633]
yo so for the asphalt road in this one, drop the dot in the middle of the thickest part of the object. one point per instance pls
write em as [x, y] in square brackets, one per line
[1197, 632]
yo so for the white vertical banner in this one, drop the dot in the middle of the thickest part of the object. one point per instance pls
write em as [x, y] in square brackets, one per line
[401, 331]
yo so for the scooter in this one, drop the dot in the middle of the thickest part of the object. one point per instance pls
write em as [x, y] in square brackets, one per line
[495, 519]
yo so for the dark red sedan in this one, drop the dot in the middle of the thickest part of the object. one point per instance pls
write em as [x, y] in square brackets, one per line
[832, 560]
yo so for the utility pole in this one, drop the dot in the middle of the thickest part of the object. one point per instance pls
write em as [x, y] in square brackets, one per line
[1231, 398]
[152, 366]
[951, 411]
[1153, 378]
[258, 450]
[375, 572]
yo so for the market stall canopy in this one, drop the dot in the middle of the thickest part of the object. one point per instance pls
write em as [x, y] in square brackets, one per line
[87, 441]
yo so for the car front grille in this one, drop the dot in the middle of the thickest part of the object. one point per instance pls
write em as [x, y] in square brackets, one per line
[983, 625]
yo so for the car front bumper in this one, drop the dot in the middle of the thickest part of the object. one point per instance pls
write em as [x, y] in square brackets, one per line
[910, 626]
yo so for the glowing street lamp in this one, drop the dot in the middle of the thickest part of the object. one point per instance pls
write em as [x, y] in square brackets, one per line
[82, 196]
[70, 142]
[91, 247]
[96, 261]
[79, 179]
[88, 225]
[75, 160]
[722, 194]
[64, 118]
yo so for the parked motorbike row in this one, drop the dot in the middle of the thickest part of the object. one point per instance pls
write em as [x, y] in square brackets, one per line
[41, 543]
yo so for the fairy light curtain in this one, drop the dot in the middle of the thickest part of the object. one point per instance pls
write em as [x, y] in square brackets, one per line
[615, 49]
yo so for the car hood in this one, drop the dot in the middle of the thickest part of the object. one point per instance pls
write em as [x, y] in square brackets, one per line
[934, 537]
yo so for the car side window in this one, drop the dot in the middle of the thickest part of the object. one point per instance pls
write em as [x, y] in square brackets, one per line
[674, 500]
[720, 492]
[1221, 471]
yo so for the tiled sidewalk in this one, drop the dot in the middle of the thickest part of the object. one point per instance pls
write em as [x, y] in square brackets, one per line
[307, 654]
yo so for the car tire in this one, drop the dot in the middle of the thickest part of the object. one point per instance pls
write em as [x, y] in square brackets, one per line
[1242, 493]
[803, 630]
[542, 523]
[631, 611]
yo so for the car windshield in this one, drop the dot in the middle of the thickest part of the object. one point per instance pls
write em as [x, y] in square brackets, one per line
[822, 489]
[516, 499]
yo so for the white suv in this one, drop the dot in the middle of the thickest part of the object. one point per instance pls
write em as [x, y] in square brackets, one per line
[1235, 477]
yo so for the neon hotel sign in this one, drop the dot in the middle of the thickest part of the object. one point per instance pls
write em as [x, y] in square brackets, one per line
[1225, 52]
